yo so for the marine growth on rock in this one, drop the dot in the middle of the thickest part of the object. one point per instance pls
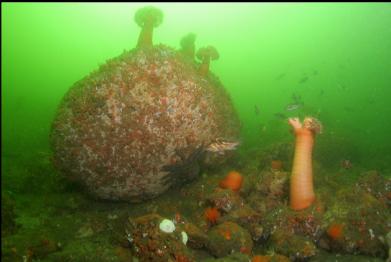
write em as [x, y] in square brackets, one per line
[138, 124]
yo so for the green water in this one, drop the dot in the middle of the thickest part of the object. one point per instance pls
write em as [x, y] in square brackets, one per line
[335, 57]
[265, 50]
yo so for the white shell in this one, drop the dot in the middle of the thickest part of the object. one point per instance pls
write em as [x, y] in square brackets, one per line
[167, 226]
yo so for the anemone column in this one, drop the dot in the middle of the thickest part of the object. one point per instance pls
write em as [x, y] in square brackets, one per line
[147, 18]
[301, 183]
[206, 54]
[188, 46]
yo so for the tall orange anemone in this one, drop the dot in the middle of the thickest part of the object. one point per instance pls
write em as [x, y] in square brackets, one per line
[232, 181]
[301, 183]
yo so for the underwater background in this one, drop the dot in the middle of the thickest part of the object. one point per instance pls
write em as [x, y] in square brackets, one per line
[266, 49]
[277, 60]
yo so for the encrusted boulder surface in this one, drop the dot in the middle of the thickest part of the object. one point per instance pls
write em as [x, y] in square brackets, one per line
[138, 124]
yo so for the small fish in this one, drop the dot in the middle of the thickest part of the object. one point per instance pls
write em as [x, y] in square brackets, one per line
[292, 107]
[315, 72]
[343, 87]
[280, 76]
[303, 80]
[348, 109]
[346, 164]
[296, 98]
[280, 115]
[257, 111]
[219, 146]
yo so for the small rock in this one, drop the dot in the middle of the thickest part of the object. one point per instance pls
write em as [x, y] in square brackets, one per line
[197, 238]
[225, 200]
[85, 231]
[112, 216]
[228, 238]
[150, 243]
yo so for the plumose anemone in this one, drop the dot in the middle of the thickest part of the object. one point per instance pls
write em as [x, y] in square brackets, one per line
[188, 45]
[206, 54]
[301, 183]
[147, 18]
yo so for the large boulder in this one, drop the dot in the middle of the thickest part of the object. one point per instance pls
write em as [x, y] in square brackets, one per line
[139, 124]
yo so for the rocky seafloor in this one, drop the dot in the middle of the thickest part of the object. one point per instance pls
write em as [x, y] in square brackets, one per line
[47, 218]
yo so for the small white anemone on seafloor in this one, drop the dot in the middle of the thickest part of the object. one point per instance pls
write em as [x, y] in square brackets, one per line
[185, 238]
[167, 226]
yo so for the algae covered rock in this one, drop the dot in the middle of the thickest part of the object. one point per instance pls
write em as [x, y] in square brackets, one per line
[225, 200]
[197, 238]
[138, 125]
[228, 238]
[357, 223]
[235, 257]
[376, 185]
[296, 247]
[8, 216]
[249, 219]
[150, 243]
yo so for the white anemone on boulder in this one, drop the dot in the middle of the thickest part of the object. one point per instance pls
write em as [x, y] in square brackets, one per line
[167, 226]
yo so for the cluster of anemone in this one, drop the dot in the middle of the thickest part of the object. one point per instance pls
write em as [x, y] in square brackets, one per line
[150, 17]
